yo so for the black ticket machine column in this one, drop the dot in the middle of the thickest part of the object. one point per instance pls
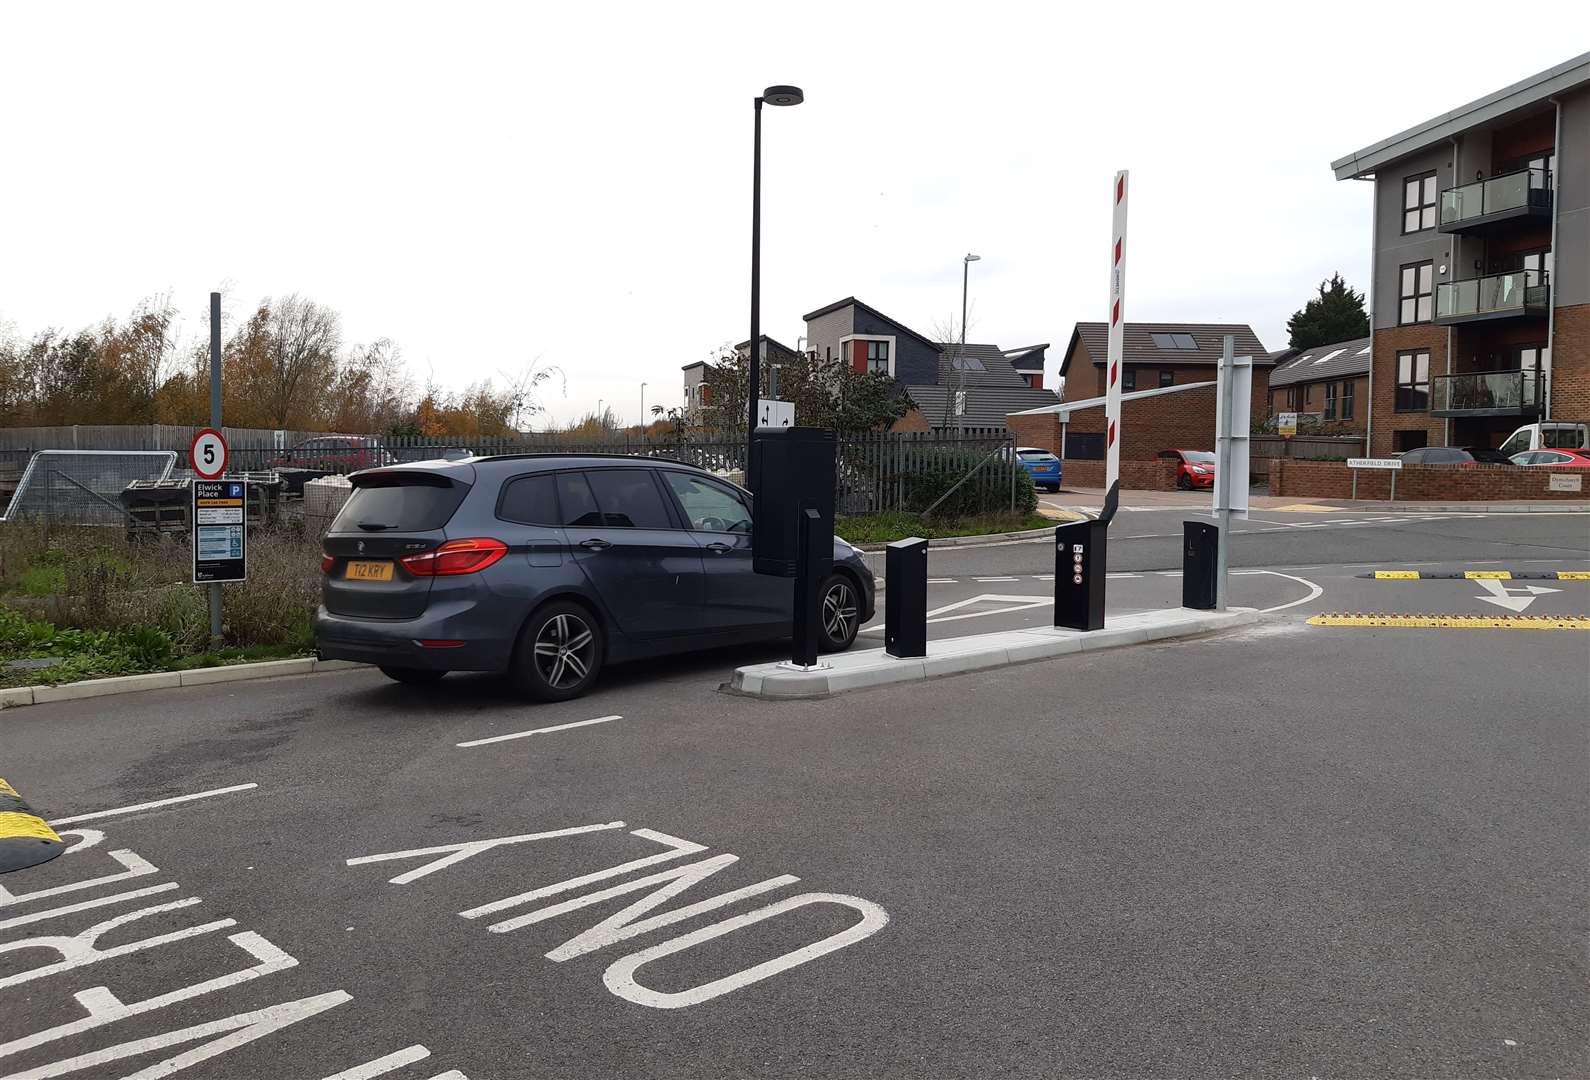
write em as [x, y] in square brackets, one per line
[792, 527]
[1079, 557]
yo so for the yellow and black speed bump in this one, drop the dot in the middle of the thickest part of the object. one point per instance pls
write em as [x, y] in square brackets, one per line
[1478, 575]
[25, 839]
[1455, 622]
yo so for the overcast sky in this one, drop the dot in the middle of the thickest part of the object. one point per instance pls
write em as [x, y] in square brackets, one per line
[492, 183]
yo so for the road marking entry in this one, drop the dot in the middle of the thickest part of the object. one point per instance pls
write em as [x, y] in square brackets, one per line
[86, 905]
[383, 1065]
[1458, 622]
[97, 814]
[1481, 575]
[537, 731]
[456, 853]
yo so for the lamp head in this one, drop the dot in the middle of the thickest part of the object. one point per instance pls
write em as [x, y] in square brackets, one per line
[972, 258]
[783, 95]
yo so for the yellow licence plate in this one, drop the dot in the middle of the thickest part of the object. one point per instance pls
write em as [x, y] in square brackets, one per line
[369, 570]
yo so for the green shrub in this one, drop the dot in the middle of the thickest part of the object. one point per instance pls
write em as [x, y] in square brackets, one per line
[986, 492]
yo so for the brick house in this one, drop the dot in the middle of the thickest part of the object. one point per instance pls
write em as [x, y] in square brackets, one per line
[1158, 355]
[1479, 292]
[1327, 382]
[990, 382]
[1176, 417]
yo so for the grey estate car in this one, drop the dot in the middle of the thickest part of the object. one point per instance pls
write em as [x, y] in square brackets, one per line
[547, 567]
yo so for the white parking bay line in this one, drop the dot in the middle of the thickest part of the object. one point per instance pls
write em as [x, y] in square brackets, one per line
[993, 579]
[537, 731]
[97, 814]
[941, 581]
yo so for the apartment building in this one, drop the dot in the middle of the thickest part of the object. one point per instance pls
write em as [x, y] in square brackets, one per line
[1480, 269]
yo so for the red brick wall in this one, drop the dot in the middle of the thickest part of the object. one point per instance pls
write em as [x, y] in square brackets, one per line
[1570, 365]
[1135, 475]
[1419, 483]
[1387, 420]
[1042, 430]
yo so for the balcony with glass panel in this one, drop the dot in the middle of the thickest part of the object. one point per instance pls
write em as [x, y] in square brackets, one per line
[1514, 294]
[1488, 393]
[1524, 194]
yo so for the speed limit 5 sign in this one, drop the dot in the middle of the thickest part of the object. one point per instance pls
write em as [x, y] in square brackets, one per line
[207, 456]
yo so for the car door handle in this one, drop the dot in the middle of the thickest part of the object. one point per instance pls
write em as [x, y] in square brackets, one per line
[594, 544]
[718, 547]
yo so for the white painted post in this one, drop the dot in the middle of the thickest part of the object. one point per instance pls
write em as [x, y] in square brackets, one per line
[1233, 389]
[1117, 341]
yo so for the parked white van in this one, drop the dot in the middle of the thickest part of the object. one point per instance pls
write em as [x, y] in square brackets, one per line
[1547, 436]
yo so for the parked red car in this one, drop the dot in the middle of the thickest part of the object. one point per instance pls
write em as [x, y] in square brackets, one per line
[1554, 459]
[335, 454]
[1194, 468]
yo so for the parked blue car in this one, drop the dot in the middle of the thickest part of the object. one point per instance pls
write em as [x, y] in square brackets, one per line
[1041, 465]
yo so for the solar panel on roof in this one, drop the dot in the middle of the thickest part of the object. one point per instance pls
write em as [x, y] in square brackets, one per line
[1175, 342]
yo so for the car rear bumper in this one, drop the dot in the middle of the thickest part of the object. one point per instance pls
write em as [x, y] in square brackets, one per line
[396, 642]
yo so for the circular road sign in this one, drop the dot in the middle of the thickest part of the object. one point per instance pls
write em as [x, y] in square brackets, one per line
[208, 454]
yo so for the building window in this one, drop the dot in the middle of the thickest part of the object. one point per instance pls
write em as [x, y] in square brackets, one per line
[1418, 203]
[1413, 381]
[1345, 405]
[878, 357]
[828, 353]
[1417, 287]
[1167, 378]
[1128, 380]
[1403, 441]
[1291, 399]
[1330, 400]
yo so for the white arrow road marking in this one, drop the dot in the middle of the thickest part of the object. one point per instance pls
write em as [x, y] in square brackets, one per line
[1502, 593]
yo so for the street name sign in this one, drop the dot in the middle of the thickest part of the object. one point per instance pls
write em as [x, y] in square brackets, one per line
[1374, 463]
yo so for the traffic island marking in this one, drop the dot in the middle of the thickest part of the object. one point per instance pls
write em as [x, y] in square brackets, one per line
[1478, 575]
[1456, 622]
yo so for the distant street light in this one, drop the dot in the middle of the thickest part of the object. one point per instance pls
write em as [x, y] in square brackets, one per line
[773, 95]
[642, 412]
[960, 365]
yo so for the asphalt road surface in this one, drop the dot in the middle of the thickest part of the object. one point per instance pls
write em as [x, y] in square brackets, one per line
[1291, 850]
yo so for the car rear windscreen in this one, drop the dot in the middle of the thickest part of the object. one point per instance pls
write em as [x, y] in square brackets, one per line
[400, 502]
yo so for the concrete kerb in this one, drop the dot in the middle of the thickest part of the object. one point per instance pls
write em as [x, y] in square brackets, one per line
[16, 697]
[978, 652]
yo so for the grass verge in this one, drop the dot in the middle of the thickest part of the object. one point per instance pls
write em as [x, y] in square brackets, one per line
[887, 528]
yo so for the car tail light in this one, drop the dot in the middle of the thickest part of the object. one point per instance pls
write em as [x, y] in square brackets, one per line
[327, 562]
[456, 557]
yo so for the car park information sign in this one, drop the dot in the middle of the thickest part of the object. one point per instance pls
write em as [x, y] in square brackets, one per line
[220, 531]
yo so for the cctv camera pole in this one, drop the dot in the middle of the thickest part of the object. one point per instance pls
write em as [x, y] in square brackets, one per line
[215, 422]
[754, 385]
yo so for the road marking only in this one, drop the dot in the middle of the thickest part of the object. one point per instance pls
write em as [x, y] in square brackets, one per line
[97, 814]
[1458, 622]
[537, 731]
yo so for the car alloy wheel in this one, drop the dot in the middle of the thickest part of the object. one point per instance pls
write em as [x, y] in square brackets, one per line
[565, 651]
[559, 653]
[841, 612]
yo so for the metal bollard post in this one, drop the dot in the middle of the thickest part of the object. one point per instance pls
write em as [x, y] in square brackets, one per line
[905, 598]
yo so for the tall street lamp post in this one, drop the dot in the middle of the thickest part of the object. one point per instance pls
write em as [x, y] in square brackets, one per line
[960, 371]
[773, 95]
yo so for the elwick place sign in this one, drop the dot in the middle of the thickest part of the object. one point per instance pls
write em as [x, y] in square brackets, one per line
[220, 531]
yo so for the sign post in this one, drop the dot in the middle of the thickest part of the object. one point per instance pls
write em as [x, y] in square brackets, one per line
[215, 428]
[1394, 465]
[1234, 395]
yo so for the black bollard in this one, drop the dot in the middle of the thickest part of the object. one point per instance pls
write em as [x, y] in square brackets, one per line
[905, 598]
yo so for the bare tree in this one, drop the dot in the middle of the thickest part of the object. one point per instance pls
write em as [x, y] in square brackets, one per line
[524, 391]
[302, 339]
